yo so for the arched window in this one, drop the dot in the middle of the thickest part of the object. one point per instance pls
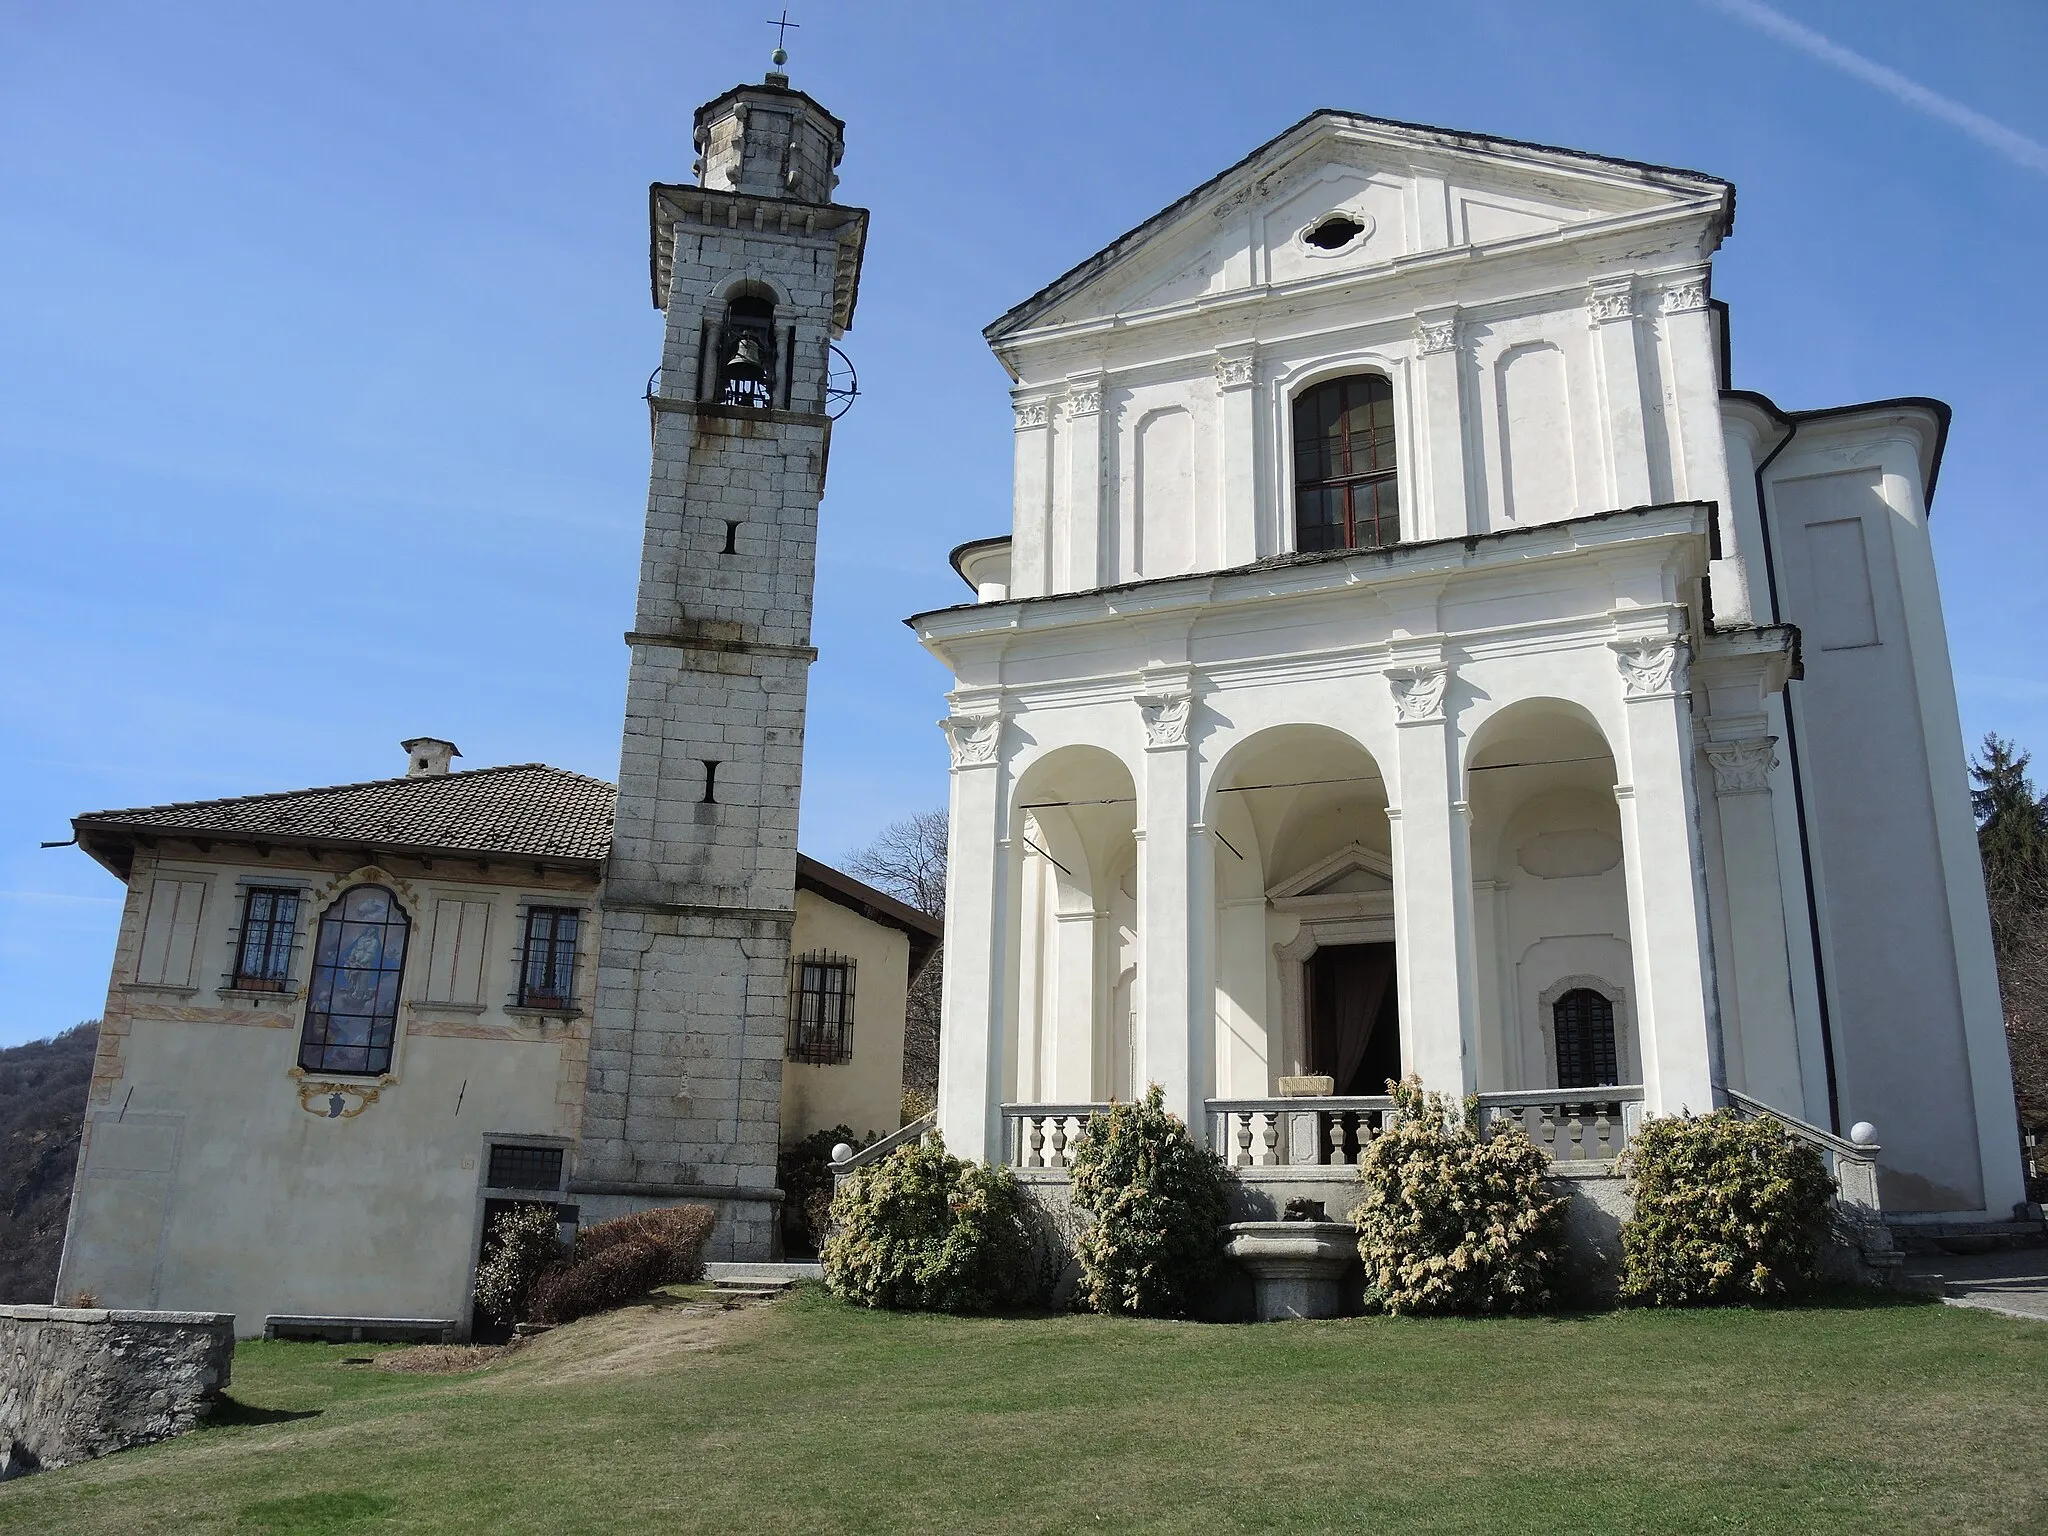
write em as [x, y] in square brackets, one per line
[746, 354]
[1346, 494]
[1585, 1040]
[352, 1006]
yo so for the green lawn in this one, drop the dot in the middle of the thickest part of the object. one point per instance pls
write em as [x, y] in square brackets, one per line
[807, 1416]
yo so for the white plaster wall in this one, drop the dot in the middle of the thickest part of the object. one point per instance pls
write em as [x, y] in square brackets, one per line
[207, 1181]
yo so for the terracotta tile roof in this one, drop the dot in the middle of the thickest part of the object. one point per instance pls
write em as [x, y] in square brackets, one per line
[525, 810]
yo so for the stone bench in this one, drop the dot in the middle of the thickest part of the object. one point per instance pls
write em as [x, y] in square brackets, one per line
[360, 1330]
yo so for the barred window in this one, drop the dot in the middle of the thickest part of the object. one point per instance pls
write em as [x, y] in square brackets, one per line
[352, 1004]
[263, 954]
[1586, 1056]
[516, 1167]
[821, 1008]
[547, 973]
[1346, 492]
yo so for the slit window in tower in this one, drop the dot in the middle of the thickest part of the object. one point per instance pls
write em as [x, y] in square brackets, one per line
[710, 781]
[732, 535]
[746, 352]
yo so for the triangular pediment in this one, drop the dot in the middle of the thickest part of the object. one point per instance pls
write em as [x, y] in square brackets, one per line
[1276, 217]
[1353, 870]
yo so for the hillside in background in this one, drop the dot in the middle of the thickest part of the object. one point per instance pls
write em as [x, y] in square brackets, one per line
[42, 1106]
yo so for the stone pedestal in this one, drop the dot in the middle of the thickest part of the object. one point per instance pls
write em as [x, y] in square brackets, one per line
[1297, 1267]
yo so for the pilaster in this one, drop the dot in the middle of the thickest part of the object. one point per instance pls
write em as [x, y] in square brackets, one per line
[1668, 932]
[1074, 552]
[1611, 309]
[977, 927]
[1172, 902]
[1442, 427]
[1237, 428]
[1431, 830]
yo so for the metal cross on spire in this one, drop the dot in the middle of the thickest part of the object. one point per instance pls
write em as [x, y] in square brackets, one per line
[782, 26]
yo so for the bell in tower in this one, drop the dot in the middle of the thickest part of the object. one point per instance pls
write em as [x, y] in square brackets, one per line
[755, 270]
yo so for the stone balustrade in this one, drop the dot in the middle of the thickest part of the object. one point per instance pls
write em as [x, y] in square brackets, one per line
[1043, 1135]
[1572, 1125]
[1296, 1132]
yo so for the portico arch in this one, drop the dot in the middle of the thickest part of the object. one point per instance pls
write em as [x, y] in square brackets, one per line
[1301, 852]
[1550, 886]
[1073, 949]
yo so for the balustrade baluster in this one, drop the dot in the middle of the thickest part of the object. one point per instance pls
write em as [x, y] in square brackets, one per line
[1546, 1130]
[1336, 1139]
[1036, 1126]
[1603, 1132]
[1059, 1141]
[1575, 1135]
[1269, 1136]
[1244, 1139]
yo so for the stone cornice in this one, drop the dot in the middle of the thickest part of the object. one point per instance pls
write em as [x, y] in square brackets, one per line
[741, 213]
[1389, 571]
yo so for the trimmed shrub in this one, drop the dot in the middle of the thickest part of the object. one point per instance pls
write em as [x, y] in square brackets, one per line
[1159, 1205]
[628, 1256]
[1454, 1220]
[1727, 1210]
[523, 1245]
[923, 1231]
[804, 1170]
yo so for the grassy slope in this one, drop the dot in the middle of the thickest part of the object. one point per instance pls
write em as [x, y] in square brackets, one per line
[808, 1416]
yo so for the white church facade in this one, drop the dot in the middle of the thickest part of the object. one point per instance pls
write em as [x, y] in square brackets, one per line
[1410, 655]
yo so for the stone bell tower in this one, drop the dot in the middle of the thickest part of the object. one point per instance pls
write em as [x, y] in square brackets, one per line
[756, 269]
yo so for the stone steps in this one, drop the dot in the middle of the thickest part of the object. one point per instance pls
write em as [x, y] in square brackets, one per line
[1967, 1237]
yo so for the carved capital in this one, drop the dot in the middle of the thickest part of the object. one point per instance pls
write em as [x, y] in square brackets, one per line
[1742, 767]
[1166, 718]
[1435, 336]
[1652, 667]
[1418, 692]
[1031, 413]
[1084, 399]
[973, 738]
[1235, 371]
[1611, 303]
[1688, 294]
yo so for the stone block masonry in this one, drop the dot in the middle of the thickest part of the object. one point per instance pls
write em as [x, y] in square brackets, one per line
[78, 1382]
[684, 1087]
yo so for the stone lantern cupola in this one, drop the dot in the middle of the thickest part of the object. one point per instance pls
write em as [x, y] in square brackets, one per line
[768, 140]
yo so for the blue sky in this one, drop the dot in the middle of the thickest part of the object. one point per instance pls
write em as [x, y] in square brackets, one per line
[325, 330]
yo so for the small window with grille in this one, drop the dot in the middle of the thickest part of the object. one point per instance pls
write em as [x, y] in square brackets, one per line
[547, 970]
[516, 1167]
[821, 1009]
[1586, 1057]
[263, 951]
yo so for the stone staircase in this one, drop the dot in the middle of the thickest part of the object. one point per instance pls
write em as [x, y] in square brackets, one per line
[1963, 1238]
[743, 1284]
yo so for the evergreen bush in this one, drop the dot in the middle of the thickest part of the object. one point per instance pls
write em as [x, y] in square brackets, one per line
[1159, 1205]
[1727, 1210]
[1453, 1220]
[921, 1230]
[523, 1244]
[804, 1170]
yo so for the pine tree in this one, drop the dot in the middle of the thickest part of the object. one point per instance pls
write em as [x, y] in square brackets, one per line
[2012, 838]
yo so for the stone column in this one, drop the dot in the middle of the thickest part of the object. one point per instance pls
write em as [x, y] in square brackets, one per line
[977, 938]
[1073, 560]
[1168, 1050]
[1237, 442]
[1432, 884]
[1668, 934]
[1442, 426]
[1611, 306]
[1756, 920]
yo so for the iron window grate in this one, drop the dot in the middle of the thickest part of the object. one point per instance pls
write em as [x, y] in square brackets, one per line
[516, 1167]
[547, 969]
[821, 1008]
[263, 953]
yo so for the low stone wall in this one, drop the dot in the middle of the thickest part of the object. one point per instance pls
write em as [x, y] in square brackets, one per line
[79, 1382]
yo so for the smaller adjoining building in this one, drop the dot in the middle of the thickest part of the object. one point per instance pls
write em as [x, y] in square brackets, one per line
[346, 1026]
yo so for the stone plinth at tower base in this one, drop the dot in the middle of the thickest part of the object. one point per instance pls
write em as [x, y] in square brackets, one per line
[79, 1382]
[1297, 1267]
[748, 1225]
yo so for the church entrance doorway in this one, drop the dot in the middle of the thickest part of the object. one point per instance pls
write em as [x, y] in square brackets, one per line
[1354, 1021]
